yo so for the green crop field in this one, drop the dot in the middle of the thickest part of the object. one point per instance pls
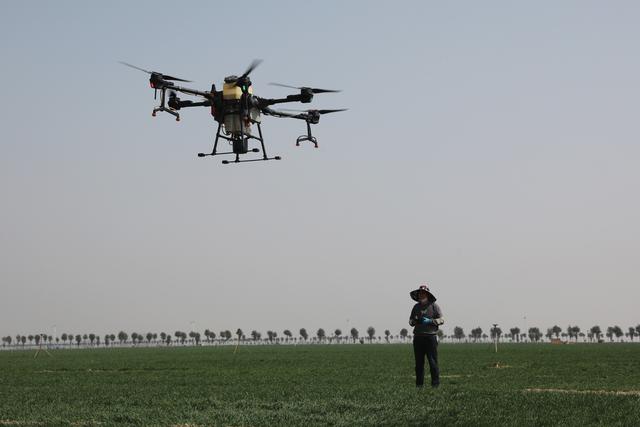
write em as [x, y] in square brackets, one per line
[523, 384]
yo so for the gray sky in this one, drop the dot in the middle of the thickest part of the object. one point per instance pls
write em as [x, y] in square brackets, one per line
[490, 150]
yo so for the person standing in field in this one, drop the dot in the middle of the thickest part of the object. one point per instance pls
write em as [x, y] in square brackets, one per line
[425, 318]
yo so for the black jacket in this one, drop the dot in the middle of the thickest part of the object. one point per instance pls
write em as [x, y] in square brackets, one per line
[430, 310]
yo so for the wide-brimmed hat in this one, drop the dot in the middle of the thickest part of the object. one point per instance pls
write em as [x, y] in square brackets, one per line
[414, 294]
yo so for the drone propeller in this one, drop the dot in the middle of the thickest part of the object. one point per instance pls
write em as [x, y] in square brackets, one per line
[164, 76]
[311, 89]
[243, 79]
[316, 111]
[252, 67]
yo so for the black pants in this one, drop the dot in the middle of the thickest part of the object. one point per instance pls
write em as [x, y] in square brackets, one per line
[426, 345]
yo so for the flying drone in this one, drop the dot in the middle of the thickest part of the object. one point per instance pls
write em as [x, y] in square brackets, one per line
[236, 109]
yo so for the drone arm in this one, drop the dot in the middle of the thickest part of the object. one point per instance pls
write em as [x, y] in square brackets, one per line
[265, 102]
[185, 104]
[270, 112]
[186, 90]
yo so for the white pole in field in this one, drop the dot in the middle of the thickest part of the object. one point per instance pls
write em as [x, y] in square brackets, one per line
[495, 335]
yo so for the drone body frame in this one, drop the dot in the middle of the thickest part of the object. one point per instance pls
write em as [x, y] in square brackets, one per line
[236, 109]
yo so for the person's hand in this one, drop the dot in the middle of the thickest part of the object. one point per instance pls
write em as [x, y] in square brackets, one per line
[426, 321]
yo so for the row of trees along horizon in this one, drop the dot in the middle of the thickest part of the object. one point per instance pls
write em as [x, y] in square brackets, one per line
[534, 334]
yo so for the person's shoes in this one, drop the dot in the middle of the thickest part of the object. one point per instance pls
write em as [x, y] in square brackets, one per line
[435, 385]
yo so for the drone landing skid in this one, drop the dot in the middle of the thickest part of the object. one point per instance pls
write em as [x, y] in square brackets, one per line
[310, 138]
[237, 160]
[161, 107]
[167, 110]
[240, 150]
[307, 137]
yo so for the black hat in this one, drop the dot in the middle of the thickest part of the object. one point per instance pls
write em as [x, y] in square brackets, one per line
[414, 294]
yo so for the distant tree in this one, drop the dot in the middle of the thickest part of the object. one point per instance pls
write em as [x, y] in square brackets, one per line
[617, 331]
[287, 333]
[596, 331]
[458, 333]
[271, 336]
[337, 333]
[149, 337]
[168, 339]
[107, 339]
[575, 331]
[123, 337]
[304, 334]
[320, 334]
[476, 333]
[92, 338]
[64, 338]
[549, 333]
[354, 334]
[23, 340]
[386, 335]
[534, 334]
[515, 333]
[609, 333]
[255, 335]
[403, 333]
[637, 330]
[195, 337]
[239, 334]
[134, 337]
[371, 332]
[556, 331]
[78, 339]
[37, 339]
[632, 333]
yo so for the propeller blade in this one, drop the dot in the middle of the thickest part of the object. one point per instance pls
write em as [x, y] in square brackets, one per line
[315, 111]
[134, 67]
[281, 85]
[312, 89]
[164, 76]
[252, 67]
[331, 111]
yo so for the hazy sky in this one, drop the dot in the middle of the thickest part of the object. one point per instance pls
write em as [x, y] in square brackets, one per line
[491, 150]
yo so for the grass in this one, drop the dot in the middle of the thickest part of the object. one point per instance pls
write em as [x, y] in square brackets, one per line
[322, 385]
